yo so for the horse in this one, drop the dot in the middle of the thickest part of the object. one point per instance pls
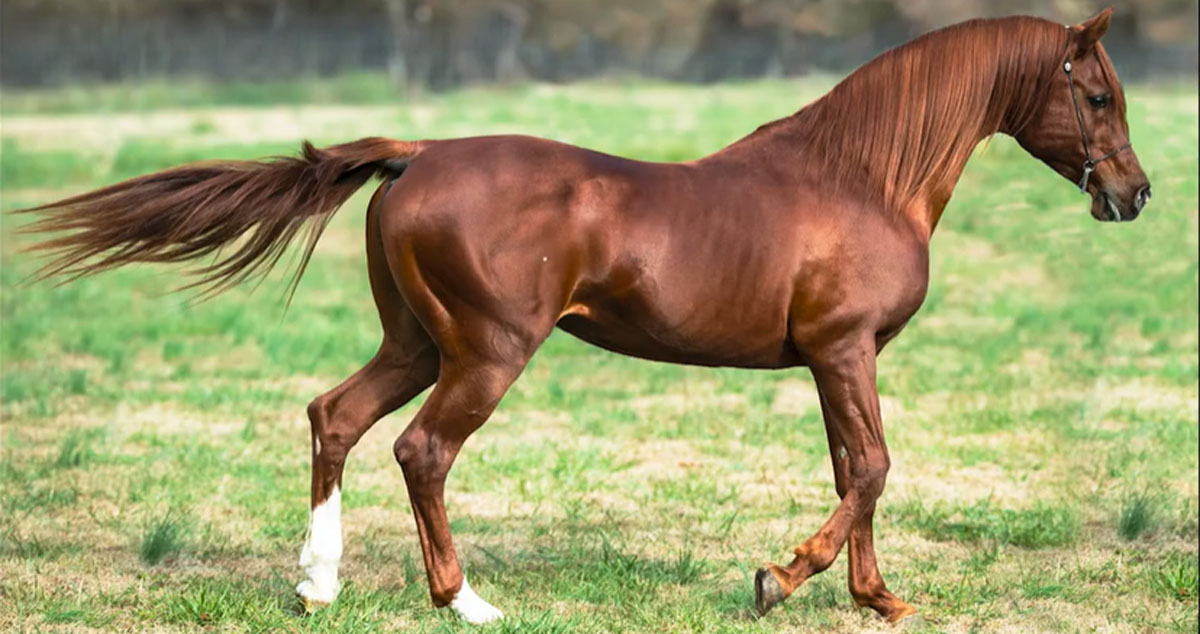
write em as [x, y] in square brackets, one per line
[805, 243]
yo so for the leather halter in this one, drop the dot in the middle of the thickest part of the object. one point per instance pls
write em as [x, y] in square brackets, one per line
[1089, 163]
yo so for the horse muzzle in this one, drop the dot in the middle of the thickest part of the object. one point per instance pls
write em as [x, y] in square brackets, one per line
[1109, 207]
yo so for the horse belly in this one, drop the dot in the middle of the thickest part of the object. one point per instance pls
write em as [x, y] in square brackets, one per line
[635, 338]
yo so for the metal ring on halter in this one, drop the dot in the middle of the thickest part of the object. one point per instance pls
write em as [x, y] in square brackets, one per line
[1088, 168]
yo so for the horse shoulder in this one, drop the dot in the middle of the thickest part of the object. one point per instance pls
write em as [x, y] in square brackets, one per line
[869, 275]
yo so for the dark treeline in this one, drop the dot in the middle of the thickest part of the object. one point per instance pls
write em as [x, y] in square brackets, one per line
[440, 44]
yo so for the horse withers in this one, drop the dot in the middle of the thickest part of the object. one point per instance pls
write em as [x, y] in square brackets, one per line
[816, 226]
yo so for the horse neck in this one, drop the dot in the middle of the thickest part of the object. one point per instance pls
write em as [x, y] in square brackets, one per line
[893, 139]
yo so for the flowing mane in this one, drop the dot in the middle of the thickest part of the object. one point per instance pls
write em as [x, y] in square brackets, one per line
[899, 125]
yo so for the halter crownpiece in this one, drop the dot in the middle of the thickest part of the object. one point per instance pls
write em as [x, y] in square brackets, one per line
[1089, 163]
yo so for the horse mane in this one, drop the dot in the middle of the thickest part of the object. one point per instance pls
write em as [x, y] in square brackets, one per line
[900, 124]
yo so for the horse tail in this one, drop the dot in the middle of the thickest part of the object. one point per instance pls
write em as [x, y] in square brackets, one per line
[242, 213]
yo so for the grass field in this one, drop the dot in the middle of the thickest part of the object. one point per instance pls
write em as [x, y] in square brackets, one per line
[1041, 408]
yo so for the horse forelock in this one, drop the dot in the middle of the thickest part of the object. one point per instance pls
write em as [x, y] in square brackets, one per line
[910, 118]
[1110, 76]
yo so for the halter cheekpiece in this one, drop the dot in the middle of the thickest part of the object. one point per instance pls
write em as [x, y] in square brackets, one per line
[1089, 163]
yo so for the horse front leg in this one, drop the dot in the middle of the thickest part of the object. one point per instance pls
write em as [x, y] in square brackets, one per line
[866, 584]
[845, 376]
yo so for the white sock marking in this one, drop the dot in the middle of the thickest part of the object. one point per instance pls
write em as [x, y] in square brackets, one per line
[472, 609]
[323, 551]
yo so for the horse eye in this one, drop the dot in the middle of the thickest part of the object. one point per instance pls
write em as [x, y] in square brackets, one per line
[1098, 101]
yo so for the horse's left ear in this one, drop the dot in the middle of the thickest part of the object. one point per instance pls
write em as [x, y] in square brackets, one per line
[1090, 31]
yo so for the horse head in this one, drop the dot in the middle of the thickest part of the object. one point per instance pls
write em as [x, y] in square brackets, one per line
[1081, 131]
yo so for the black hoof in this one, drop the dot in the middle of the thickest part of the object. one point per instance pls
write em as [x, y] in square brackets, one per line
[767, 591]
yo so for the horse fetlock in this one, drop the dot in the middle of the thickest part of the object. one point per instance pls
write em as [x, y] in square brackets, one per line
[814, 556]
[868, 595]
[876, 596]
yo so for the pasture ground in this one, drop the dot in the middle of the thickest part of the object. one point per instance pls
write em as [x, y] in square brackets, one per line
[1041, 408]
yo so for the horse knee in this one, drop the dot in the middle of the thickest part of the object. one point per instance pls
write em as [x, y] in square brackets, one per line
[412, 450]
[406, 449]
[424, 457]
[318, 411]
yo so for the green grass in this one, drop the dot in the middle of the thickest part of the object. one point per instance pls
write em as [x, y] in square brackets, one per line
[1176, 579]
[1044, 525]
[163, 537]
[1138, 516]
[1051, 374]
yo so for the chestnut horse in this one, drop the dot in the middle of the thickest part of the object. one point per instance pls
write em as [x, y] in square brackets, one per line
[805, 243]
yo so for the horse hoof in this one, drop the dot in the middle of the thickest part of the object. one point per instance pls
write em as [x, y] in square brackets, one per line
[310, 599]
[767, 591]
[311, 606]
[908, 619]
[473, 609]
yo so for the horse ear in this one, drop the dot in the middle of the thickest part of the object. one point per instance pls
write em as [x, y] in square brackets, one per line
[1090, 31]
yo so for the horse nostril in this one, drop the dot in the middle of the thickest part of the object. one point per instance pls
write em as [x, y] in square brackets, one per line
[1142, 197]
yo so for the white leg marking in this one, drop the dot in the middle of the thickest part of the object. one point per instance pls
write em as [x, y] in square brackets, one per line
[322, 551]
[472, 609]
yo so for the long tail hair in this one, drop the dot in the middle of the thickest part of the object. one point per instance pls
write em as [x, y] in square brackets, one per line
[255, 208]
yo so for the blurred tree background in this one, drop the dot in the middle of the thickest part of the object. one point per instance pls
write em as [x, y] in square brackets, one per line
[441, 44]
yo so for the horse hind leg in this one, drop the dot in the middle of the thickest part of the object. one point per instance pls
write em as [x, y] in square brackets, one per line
[405, 365]
[339, 418]
[488, 304]
[487, 359]
[460, 403]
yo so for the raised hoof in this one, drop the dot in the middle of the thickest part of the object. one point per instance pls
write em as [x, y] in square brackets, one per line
[768, 592]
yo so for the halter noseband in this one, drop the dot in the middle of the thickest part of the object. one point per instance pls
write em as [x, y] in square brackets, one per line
[1089, 163]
